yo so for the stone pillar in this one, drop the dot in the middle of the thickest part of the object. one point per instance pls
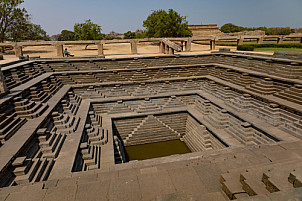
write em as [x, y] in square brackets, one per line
[161, 48]
[100, 49]
[240, 41]
[171, 50]
[212, 44]
[188, 45]
[133, 46]
[3, 87]
[59, 48]
[166, 49]
[18, 51]
[280, 40]
[260, 40]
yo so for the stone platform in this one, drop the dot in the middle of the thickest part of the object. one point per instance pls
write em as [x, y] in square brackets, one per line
[65, 124]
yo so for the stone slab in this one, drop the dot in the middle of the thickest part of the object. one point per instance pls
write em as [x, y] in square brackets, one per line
[126, 188]
[91, 191]
[155, 184]
[64, 193]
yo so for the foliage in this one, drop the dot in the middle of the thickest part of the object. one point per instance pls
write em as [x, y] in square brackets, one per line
[279, 31]
[166, 24]
[87, 31]
[245, 47]
[111, 37]
[66, 35]
[141, 35]
[27, 31]
[1, 57]
[12, 19]
[35, 32]
[279, 49]
[251, 47]
[231, 28]
[129, 35]
[15, 23]
[135, 35]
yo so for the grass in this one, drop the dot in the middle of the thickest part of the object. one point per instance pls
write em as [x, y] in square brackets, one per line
[279, 49]
[155, 150]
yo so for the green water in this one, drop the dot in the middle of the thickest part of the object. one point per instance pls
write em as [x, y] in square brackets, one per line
[155, 150]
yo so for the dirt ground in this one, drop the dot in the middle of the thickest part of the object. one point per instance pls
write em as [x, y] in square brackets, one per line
[110, 50]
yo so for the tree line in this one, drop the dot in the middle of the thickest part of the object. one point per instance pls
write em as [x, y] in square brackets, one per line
[159, 24]
[16, 25]
[231, 28]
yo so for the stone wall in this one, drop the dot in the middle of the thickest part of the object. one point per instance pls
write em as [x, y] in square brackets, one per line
[204, 30]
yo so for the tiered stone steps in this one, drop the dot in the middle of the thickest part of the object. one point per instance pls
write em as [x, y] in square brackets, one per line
[149, 131]
[65, 123]
[29, 109]
[292, 71]
[84, 78]
[119, 152]
[135, 63]
[265, 87]
[86, 66]
[50, 143]
[293, 94]
[218, 118]
[96, 134]
[108, 65]
[9, 124]
[30, 71]
[32, 170]
[65, 79]
[147, 106]
[260, 179]
[61, 67]
[91, 155]
[38, 95]
[124, 127]
[176, 121]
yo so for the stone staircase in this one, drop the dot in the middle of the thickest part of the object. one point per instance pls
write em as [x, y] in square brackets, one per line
[293, 94]
[9, 124]
[50, 143]
[91, 155]
[150, 130]
[31, 170]
[119, 152]
[65, 123]
[29, 109]
[261, 179]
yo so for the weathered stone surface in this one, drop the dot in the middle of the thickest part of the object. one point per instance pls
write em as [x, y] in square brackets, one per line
[240, 118]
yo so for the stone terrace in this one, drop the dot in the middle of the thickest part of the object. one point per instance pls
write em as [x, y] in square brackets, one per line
[65, 125]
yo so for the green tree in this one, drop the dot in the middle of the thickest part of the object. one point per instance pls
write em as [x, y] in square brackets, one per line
[262, 29]
[66, 35]
[141, 35]
[129, 35]
[279, 31]
[166, 24]
[35, 32]
[12, 18]
[231, 28]
[87, 31]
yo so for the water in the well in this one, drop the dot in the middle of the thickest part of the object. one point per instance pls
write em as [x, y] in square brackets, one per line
[155, 150]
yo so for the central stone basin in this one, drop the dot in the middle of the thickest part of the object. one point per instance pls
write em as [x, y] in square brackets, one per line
[156, 150]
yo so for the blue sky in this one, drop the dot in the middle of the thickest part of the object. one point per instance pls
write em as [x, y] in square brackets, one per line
[124, 15]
